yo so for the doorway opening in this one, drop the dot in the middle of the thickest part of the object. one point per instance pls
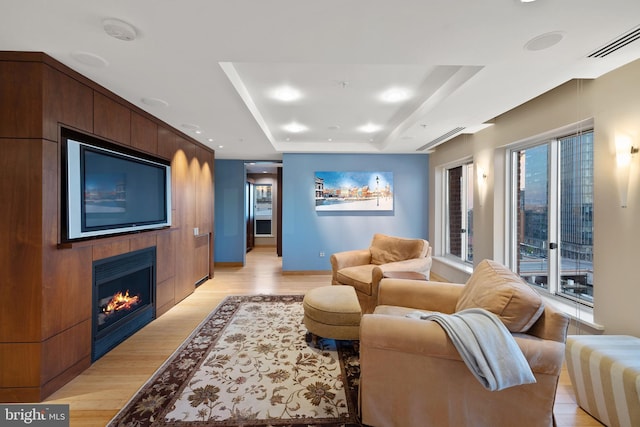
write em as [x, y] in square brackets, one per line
[263, 205]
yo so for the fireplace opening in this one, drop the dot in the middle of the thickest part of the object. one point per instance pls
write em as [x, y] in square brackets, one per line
[124, 289]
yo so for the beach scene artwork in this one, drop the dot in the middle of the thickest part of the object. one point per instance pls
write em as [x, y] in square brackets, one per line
[353, 191]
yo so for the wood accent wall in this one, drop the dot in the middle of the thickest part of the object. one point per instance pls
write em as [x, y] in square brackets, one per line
[46, 288]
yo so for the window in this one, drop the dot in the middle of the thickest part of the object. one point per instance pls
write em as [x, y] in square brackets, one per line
[263, 209]
[552, 215]
[459, 212]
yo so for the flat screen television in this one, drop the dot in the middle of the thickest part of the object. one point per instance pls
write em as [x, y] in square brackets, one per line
[109, 191]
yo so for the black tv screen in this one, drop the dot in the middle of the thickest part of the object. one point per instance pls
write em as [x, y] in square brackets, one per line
[111, 192]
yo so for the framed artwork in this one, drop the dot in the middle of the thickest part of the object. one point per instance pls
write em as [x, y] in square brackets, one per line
[353, 191]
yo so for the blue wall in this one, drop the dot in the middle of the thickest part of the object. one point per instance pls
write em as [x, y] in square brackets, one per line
[306, 233]
[230, 229]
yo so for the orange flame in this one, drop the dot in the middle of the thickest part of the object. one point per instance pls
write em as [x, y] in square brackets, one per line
[121, 301]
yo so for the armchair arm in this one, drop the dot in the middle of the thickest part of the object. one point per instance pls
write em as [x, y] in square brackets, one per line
[552, 325]
[406, 335]
[420, 294]
[350, 258]
[545, 356]
[344, 259]
[419, 265]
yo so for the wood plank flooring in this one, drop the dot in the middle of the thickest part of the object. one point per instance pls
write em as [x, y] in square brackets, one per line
[98, 393]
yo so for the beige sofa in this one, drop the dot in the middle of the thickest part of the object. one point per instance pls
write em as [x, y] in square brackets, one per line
[364, 268]
[412, 374]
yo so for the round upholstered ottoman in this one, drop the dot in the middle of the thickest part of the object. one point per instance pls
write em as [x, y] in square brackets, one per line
[332, 312]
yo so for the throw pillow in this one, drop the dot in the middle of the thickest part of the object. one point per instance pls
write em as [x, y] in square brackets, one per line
[497, 289]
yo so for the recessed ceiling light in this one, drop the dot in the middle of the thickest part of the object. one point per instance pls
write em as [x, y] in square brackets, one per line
[294, 127]
[220, 146]
[286, 94]
[330, 139]
[91, 59]
[155, 102]
[369, 128]
[119, 29]
[210, 139]
[190, 126]
[544, 41]
[395, 95]
[198, 131]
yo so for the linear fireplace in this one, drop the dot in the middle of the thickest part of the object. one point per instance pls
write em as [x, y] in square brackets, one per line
[124, 288]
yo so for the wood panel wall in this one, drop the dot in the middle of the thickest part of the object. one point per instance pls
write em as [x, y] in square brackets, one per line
[46, 287]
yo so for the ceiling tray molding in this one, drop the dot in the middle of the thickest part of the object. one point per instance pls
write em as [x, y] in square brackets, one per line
[236, 81]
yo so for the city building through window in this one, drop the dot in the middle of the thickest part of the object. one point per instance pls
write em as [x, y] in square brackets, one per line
[552, 215]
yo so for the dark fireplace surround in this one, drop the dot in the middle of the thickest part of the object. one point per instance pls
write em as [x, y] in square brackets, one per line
[124, 288]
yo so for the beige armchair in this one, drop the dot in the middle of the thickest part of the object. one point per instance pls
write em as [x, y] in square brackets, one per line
[364, 268]
[412, 374]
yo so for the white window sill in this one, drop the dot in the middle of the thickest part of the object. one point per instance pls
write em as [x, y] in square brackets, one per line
[577, 312]
[455, 263]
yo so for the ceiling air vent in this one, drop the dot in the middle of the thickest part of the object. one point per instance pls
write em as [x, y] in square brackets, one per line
[441, 139]
[617, 44]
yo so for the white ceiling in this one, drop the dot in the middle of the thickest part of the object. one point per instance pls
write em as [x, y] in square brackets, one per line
[217, 63]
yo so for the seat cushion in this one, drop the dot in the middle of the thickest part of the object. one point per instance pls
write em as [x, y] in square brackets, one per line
[495, 288]
[385, 249]
[359, 276]
[333, 305]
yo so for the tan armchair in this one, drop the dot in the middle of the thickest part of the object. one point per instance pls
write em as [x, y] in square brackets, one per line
[364, 268]
[412, 374]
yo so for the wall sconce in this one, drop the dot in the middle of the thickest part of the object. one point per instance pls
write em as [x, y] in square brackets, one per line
[624, 156]
[482, 184]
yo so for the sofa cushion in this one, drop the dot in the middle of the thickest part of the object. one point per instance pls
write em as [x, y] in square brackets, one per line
[359, 277]
[497, 289]
[385, 249]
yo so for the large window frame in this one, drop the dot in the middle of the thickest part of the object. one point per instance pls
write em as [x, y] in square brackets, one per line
[568, 161]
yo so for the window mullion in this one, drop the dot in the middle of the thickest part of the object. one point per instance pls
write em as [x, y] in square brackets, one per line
[513, 211]
[554, 215]
[447, 203]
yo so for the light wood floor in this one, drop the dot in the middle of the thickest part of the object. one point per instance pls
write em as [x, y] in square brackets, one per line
[98, 393]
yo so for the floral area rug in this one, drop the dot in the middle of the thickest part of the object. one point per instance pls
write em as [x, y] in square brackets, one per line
[250, 364]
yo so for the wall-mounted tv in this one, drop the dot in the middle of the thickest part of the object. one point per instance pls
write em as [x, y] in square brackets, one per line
[109, 191]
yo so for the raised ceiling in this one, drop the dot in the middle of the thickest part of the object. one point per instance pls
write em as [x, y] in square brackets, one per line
[255, 79]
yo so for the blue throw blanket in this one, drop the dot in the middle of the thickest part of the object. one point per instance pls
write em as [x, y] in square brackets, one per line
[485, 345]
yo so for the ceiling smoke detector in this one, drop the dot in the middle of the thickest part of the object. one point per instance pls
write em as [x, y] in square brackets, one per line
[119, 29]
